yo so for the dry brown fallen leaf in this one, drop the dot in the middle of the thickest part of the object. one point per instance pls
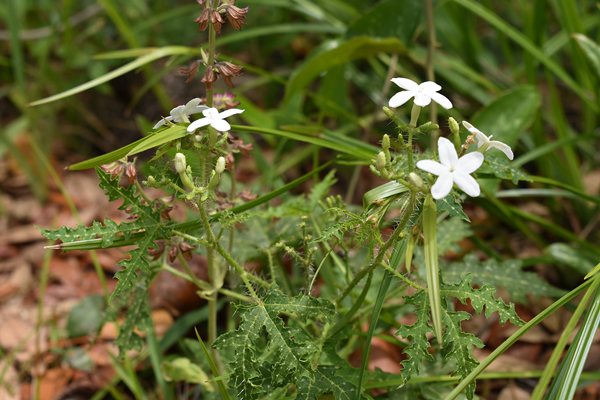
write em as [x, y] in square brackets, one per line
[513, 392]
[54, 382]
[10, 389]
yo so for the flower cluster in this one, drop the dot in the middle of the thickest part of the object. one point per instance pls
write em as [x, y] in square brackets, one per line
[235, 15]
[450, 169]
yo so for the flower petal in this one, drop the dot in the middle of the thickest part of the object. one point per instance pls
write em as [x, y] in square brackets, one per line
[199, 123]
[469, 163]
[220, 125]
[211, 113]
[430, 87]
[177, 113]
[470, 127]
[422, 99]
[192, 104]
[433, 167]
[229, 113]
[466, 182]
[400, 98]
[441, 100]
[406, 84]
[448, 156]
[196, 110]
[442, 186]
[161, 122]
[503, 147]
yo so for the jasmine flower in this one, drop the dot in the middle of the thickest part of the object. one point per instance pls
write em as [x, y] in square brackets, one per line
[452, 170]
[484, 143]
[423, 93]
[214, 118]
[182, 113]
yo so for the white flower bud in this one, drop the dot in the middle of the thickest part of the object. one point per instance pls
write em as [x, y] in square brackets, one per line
[381, 161]
[180, 163]
[220, 165]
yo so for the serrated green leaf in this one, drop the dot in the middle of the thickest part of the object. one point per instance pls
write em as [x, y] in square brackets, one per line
[451, 231]
[507, 274]
[137, 316]
[458, 345]
[326, 381]
[85, 317]
[418, 349]
[452, 207]
[501, 168]
[294, 358]
[321, 189]
[480, 298]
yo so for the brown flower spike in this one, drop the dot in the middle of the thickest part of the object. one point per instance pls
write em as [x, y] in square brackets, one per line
[228, 71]
[202, 20]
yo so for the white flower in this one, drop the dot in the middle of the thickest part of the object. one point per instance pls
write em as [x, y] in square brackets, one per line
[482, 140]
[214, 119]
[181, 113]
[452, 170]
[423, 93]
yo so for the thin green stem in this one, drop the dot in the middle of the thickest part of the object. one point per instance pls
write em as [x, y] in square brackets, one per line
[212, 37]
[189, 237]
[141, 192]
[402, 277]
[431, 43]
[193, 278]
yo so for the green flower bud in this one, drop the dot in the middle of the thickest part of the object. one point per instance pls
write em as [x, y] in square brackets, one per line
[180, 163]
[381, 161]
[388, 112]
[385, 142]
[417, 182]
[220, 166]
[454, 127]
[152, 181]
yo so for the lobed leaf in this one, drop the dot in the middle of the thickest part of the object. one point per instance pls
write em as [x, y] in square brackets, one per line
[507, 274]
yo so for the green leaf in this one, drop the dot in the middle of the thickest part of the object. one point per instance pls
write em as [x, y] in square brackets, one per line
[580, 260]
[149, 220]
[293, 357]
[384, 191]
[182, 369]
[507, 274]
[452, 207]
[326, 381]
[389, 18]
[458, 345]
[337, 52]
[591, 51]
[451, 231]
[85, 317]
[502, 168]
[160, 138]
[528, 46]
[480, 298]
[509, 115]
[137, 316]
[321, 189]
[417, 351]
[147, 58]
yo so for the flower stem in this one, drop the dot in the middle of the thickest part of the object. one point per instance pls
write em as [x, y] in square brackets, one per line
[431, 43]
[402, 277]
[414, 117]
[212, 37]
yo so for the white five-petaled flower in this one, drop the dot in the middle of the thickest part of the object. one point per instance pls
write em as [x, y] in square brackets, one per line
[452, 169]
[215, 119]
[423, 94]
[483, 140]
[181, 113]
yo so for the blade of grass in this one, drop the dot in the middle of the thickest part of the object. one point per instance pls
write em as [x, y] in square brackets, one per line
[16, 50]
[213, 367]
[383, 288]
[528, 46]
[355, 307]
[565, 384]
[128, 376]
[549, 371]
[515, 337]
